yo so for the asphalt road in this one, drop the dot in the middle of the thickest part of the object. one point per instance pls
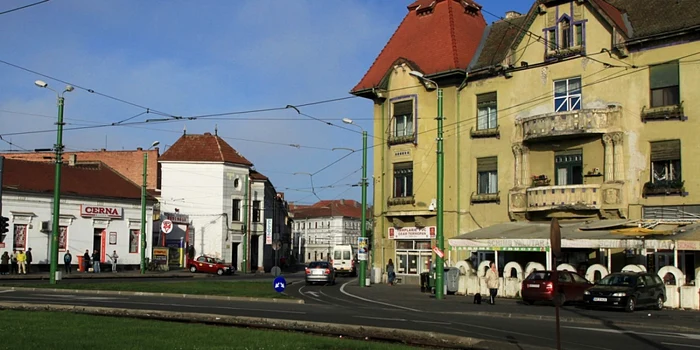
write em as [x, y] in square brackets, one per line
[338, 304]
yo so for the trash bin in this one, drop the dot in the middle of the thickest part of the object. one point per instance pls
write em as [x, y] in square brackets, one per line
[452, 279]
[81, 265]
[424, 284]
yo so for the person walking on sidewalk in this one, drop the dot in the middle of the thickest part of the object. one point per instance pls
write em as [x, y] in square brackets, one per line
[95, 261]
[5, 264]
[13, 262]
[492, 282]
[29, 260]
[390, 274]
[67, 260]
[114, 258]
[86, 261]
[22, 262]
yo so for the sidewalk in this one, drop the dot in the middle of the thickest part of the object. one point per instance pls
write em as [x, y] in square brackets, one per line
[411, 297]
[103, 275]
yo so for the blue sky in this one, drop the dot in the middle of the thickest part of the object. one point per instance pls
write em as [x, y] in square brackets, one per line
[190, 58]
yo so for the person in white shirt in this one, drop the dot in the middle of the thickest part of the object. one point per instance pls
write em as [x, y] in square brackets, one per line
[114, 258]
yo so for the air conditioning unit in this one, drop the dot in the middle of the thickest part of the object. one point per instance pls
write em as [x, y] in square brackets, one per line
[45, 226]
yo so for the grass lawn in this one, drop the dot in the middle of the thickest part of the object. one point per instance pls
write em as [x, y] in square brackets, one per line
[59, 330]
[226, 288]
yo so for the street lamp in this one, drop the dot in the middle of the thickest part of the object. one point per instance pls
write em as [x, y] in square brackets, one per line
[57, 179]
[363, 228]
[143, 207]
[439, 264]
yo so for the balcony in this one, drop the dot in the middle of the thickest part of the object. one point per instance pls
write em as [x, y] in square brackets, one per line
[597, 197]
[570, 123]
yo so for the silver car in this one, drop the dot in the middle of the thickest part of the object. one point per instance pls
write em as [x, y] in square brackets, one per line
[320, 271]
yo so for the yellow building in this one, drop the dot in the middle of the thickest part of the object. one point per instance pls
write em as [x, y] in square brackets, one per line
[580, 109]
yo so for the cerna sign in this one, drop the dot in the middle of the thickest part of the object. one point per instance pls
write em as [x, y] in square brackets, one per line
[104, 212]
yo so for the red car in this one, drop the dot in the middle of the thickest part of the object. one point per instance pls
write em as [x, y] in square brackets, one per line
[538, 286]
[208, 264]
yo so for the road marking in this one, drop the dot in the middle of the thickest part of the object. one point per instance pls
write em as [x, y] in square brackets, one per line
[685, 345]
[432, 322]
[382, 318]
[209, 307]
[77, 297]
[342, 290]
[6, 291]
[303, 294]
[314, 294]
[652, 334]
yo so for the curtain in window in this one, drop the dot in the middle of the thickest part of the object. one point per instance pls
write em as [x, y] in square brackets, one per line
[561, 176]
[482, 121]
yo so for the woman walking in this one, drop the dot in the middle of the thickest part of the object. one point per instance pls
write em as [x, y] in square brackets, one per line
[391, 275]
[492, 282]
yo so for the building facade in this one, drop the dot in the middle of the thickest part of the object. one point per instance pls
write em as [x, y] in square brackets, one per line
[100, 210]
[579, 110]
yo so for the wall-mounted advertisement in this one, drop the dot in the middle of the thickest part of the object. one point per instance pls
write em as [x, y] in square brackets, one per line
[362, 248]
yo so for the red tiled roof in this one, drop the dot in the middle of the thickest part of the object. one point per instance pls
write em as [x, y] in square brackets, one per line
[88, 180]
[203, 148]
[436, 35]
[338, 207]
[255, 175]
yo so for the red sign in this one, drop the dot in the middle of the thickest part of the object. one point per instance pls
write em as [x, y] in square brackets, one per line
[103, 245]
[412, 232]
[107, 212]
[438, 252]
[166, 226]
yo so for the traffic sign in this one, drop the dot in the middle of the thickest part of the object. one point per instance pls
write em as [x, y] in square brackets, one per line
[279, 284]
[438, 252]
[166, 226]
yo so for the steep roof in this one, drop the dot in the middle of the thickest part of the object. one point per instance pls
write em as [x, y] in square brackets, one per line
[255, 175]
[88, 180]
[436, 35]
[203, 148]
[326, 208]
[652, 17]
[497, 41]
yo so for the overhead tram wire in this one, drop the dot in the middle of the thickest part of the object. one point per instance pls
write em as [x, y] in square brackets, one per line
[23, 7]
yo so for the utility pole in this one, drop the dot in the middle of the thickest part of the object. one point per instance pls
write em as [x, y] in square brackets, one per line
[244, 229]
[143, 213]
[57, 194]
[363, 232]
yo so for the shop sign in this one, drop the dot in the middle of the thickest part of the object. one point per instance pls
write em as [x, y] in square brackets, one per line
[102, 212]
[160, 255]
[688, 245]
[177, 218]
[427, 232]
[506, 249]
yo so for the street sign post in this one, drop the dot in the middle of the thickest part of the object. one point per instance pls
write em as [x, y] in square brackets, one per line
[279, 284]
[555, 242]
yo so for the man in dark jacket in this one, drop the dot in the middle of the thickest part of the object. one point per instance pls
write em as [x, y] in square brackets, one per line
[86, 261]
[29, 260]
[67, 260]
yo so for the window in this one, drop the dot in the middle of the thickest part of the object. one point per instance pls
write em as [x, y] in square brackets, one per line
[63, 238]
[134, 241]
[552, 39]
[486, 111]
[20, 237]
[403, 180]
[236, 210]
[567, 95]
[569, 167]
[487, 175]
[578, 278]
[666, 161]
[412, 257]
[565, 33]
[578, 32]
[256, 211]
[403, 119]
[664, 85]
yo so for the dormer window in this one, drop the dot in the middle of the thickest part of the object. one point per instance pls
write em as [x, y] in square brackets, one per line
[565, 38]
[565, 30]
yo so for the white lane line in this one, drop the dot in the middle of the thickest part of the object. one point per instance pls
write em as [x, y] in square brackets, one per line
[342, 290]
[306, 294]
[6, 291]
[77, 297]
[683, 345]
[343, 300]
[382, 318]
[432, 322]
[651, 334]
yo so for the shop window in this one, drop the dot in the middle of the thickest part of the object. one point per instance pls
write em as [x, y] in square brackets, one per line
[134, 241]
[487, 175]
[567, 95]
[403, 180]
[664, 84]
[62, 238]
[256, 211]
[487, 116]
[569, 167]
[413, 257]
[236, 210]
[20, 237]
[403, 122]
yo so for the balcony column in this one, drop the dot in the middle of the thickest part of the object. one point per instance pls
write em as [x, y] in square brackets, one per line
[619, 158]
[608, 170]
[517, 172]
[526, 177]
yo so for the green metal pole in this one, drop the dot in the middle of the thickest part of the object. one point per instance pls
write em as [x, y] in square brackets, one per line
[143, 213]
[57, 194]
[244, 266]
[439, 265]
[363, 263]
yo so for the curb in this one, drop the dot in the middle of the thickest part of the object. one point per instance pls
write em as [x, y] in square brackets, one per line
[119, 277]
[167, 295]
[422, 338]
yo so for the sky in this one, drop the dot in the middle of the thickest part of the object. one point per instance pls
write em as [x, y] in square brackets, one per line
[135, 63]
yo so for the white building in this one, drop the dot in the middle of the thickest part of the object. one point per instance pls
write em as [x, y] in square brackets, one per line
[100, 210]
[319, 227]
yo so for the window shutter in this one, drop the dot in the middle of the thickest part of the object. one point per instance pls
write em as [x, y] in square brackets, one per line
[487, 98]
[403, 108]
[663, 75]
[487, 164]
[665, 150]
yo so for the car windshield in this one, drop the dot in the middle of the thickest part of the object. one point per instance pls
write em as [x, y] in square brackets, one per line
[618, 280]
[318, 265]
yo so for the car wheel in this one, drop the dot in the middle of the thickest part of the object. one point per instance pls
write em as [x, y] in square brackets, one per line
[631, 303]
[660, 303]
[527, 302]
[193, 269]
[220, 272]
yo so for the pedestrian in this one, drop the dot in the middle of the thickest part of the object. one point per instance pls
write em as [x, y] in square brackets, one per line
[86, 261]
[29, 259]
[5, 264]
[492, 282]
[390, 274]
[13, 261]
[95, 261]
[22, 262]
[67, 260]
[114, 258]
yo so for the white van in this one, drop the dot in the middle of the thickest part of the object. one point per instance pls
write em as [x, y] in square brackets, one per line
[343, 260]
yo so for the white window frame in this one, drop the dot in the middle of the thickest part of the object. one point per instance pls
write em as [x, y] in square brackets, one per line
[570, 101]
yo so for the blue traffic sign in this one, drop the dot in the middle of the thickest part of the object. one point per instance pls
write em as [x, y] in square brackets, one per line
[279, 284]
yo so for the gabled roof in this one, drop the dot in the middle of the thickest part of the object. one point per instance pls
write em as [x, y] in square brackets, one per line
[327, 208]
[436, 35]
[497, 40]
[255, 175]
[85, 180]
[203, 148]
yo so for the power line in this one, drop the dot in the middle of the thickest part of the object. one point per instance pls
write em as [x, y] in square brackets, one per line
[23, 7]
[12, 144]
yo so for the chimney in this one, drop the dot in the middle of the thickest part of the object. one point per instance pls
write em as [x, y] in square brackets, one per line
[139, 149]
[72, 158]
[513, 14]
[342, 202]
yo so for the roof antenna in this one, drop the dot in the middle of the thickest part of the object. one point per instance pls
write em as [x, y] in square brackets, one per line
[184, 130]
[216, 129]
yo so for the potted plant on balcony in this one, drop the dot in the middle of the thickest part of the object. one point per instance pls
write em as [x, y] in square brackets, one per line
[664, 188]
[540, 180]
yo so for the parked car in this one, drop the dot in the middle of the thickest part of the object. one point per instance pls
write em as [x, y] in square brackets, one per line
[320, 271]
[627, 290]
[208, 264]
[344, 260]
[539, 286]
